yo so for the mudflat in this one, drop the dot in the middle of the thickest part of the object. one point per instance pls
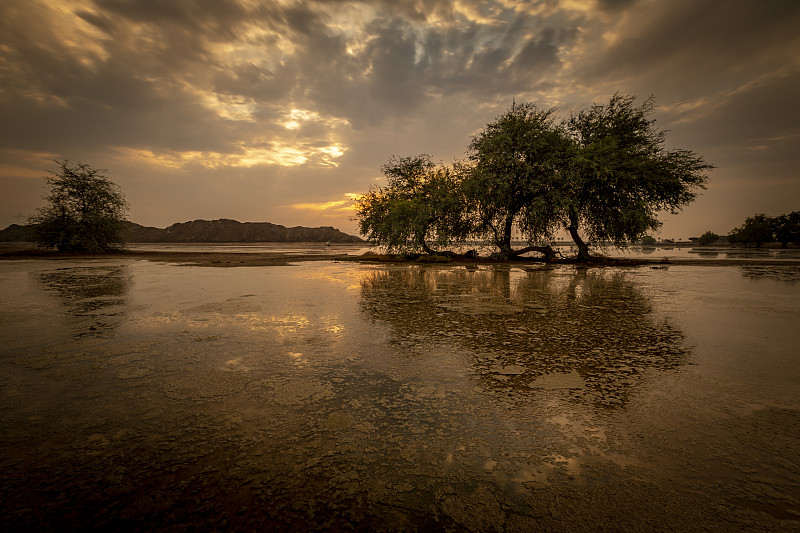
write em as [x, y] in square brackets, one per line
[339, 395]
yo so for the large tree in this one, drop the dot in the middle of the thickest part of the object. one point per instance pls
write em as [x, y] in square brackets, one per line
[421, 206]
[605, 172]
[518, 164]
[622, 175]
[85, 210]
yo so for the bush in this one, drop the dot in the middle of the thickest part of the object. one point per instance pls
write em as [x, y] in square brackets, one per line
[86, 211]
[707, 238]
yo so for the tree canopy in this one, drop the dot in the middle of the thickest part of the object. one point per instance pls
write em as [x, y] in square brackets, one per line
[707, 238]
[622, 175]
[517, 165]
[603, 174]
[760, 228]
[421, 206]
[85, 211]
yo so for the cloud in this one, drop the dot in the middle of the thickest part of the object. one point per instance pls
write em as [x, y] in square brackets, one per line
[686, 45]
[331, 208]
[302, 101]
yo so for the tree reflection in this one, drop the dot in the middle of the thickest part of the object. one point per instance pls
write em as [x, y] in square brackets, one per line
[95, 297]
[788, 273]
[591, 332]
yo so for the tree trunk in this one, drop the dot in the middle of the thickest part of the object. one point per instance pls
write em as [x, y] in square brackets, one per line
[505, 239]
[547, 251]
[503, 242]
[583, 247]
[425, 248]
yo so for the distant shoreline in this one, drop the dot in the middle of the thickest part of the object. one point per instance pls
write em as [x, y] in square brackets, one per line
[233, 259]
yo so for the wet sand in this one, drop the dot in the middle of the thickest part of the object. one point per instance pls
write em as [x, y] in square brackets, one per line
[138, 394]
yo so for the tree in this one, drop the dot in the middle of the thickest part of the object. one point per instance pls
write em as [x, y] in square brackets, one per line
[86, 210]
[622, 175]
[707, 238]
[787, 228]
[648, 240]
[421, 204]
[757, 230]
[604, 172]
[518, 164]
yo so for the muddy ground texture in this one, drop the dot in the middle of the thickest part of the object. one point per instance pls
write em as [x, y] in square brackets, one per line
[371, 397]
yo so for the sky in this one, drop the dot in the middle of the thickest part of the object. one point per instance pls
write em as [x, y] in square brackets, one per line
[283, 111]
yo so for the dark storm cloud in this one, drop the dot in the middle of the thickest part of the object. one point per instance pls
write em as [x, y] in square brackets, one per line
[109, 100]
[403, 65]
[152, 52]
[693, 42]
[757, 130]
[197, 19]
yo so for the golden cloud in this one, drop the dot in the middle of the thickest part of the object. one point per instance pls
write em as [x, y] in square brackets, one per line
[331, 208]
[276, 154]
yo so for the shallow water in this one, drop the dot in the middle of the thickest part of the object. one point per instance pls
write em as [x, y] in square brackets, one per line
[325, 395]
[632, 252]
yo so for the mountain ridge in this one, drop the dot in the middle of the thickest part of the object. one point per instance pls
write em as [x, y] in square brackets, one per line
[210, 231]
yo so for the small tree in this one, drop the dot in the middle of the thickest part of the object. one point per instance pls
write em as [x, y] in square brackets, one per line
[518, 162]
[622, 176]
[757, 230]
[85, 211]
[648, 240]
[421, 205]
[707, 238]
[787, 228]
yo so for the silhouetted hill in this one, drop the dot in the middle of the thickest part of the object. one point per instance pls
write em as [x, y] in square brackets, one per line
[18, 233]
[222, 230]
[226, 230]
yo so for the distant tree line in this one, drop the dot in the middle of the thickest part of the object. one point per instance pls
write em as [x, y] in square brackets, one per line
[707, 238]
[603, 175]
[759, 229]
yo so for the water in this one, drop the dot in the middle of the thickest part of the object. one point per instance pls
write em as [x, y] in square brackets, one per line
[635, 252]
[324, 395]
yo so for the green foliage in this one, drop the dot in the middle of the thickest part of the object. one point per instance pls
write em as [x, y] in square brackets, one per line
[85, 211]
[622, 175]
[422, 205]
[647, 240]
[605, 171]
[707, 238]
[518, 162]
[757, 230]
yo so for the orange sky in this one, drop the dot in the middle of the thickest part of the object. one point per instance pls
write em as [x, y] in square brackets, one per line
[281, 111]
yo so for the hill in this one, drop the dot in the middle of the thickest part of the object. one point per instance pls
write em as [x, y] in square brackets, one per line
[222, 230]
